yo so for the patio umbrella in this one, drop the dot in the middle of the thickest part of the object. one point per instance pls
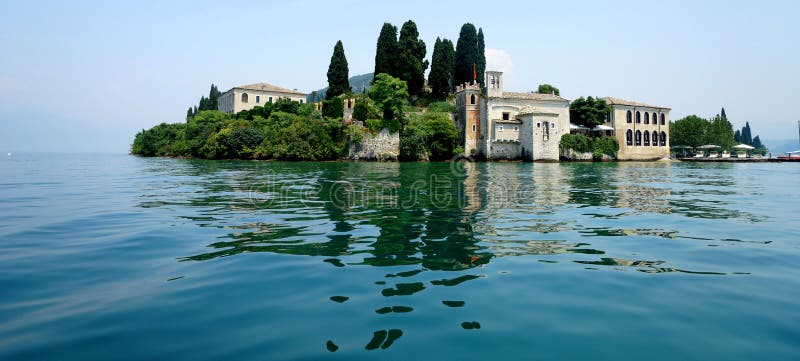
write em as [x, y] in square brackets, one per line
[744, 146]
[576, 126]
[708, 146]
[602, 127]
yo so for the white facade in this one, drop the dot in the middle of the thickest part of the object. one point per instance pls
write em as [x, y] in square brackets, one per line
[247, 97]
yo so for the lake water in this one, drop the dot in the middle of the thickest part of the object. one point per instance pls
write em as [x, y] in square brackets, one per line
[116, 257]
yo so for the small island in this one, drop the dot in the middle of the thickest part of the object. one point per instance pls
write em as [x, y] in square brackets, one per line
[460, 111]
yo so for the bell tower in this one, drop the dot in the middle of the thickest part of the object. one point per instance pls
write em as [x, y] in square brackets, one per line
[494, 84]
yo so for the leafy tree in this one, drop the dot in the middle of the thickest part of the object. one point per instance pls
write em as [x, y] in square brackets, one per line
[411, 63]
[719, 132]
[690, 131]
[389, 95]
[337, 73]
[441, 69]
[429, 136]
[481, 61]
[365, 109]
[333, 108]
[757, 142]
[466, 54]
[747, 137]
[548, 89]
[386, 51]
[588, 112]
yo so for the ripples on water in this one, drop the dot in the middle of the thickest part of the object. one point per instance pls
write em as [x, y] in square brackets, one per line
[130, 258]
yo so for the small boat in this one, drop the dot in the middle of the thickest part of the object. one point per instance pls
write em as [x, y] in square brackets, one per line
[790, 157]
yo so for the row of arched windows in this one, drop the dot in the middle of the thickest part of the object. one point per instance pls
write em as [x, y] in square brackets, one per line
[629, 118]
[658, 139]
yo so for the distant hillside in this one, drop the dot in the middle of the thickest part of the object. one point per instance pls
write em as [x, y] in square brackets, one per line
[778, 147]
[359, 83]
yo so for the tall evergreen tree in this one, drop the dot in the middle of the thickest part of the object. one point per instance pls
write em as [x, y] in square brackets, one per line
[723, 113]
[747, 137]
[481, 63]
[337, 73]
[411, 63]
[213, 96]
[189, 113]
[441, 76]
[386, 51]
[466, 54]
[757, 142]
[737, 136]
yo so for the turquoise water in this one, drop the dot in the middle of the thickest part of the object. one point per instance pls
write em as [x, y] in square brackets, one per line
[125, 258]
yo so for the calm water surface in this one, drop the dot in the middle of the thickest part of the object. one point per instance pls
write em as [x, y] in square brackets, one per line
[125, 258]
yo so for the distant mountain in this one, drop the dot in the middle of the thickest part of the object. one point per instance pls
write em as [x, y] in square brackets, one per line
[778, 147]
[359, 83]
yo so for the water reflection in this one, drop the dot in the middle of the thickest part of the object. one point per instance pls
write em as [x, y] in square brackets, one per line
[441, 217]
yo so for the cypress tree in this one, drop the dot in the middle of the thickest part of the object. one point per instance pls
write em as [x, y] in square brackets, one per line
[411, 63]
[386, 51]
[757, 142]
[189, 113]
[213, 96]
[747, 137]
[481, 63]
[337, 73]
[439, 79]
[737, 136]
[466, 54]
[450, 61]
[723, 113]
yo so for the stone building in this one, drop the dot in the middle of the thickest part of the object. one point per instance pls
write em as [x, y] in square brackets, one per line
[508, 125]
[246, 97]
[642, 130]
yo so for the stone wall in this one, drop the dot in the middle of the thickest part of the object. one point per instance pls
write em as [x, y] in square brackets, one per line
[505, 150]
[383, 146]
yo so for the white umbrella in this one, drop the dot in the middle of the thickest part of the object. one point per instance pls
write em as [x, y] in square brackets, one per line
[576, 126]
[708, 146]
[744, 146]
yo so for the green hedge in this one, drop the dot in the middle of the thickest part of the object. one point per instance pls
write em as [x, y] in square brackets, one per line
[597, 146]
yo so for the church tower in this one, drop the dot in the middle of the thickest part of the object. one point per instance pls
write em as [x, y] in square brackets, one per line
[468, 100]
[494, 84]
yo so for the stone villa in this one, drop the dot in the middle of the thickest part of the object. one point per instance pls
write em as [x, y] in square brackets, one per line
[529, 126]
[508, 125]
[246, 97]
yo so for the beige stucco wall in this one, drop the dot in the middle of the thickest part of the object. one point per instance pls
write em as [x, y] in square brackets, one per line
[618, 121]
[231, 101]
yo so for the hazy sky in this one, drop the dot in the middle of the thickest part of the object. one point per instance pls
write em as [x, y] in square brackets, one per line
[80, 76]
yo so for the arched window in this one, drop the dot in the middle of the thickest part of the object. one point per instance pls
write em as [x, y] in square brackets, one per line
[638, 117]
[662, 119]
[629, 117]
[646, 135]
[474, 128]
[244, 97]
[655, 138]
[472, 99]
[647, 118]
[663, 138]
[638, 137]
[629, 136]
[655, 118]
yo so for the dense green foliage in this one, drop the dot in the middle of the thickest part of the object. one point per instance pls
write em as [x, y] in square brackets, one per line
[337, 73]
[442, 107]
[411, 63]
[209, 103]
[694, 131]
[386, 51]
[588, 112]
[389, 95]
[688, 131]
[598, 146]
[365, 109]
[333, 108]
[431, 135]
[548, 89]
[467, 55]
[442, 63]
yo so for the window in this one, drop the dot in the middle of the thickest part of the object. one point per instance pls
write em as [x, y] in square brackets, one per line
[539, 125]
[655, 118]
[655, 139]
[501, 128]
[472, 99]
[474, 128]
[506, 115]
[663, 137]
[301, 101]
[546, 133]
[638, 137]
[244, 97]
[662, 119]
[258, 99]
[647, 118]
[629, 117]
[516, 129]
[629, 136]
[646, 136]
[270, 99]
[638, 117]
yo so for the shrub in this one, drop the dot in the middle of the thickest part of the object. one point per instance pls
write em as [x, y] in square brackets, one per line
[576, 142]
[442, 107]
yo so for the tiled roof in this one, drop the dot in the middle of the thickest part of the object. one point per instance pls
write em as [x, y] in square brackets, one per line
[534, 96]
[617, 101]
[268, 88]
